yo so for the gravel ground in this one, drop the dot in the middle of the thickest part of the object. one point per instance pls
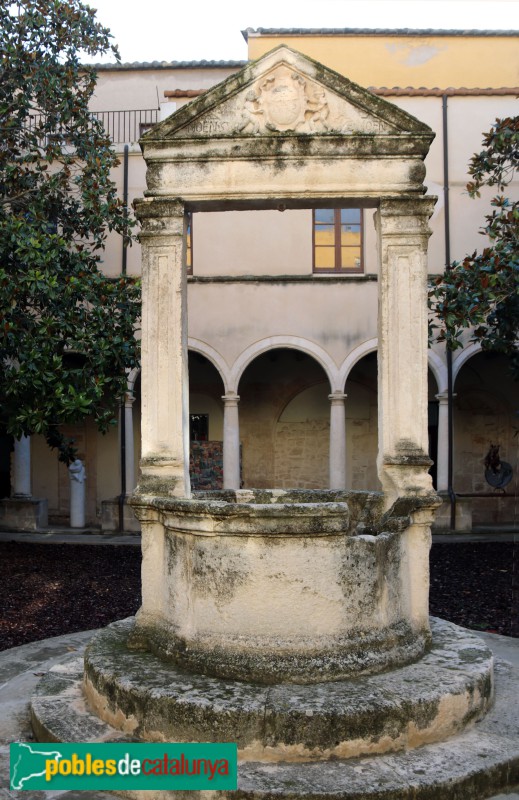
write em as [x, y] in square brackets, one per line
[51, 589]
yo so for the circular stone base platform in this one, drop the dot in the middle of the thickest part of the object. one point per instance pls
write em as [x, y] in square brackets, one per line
[146, 698]
[477, 763]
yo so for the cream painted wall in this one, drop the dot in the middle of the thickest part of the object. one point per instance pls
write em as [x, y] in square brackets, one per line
[108, 466]
[274, 243]
[252, 243]
[407, 60]
[119, 89]
[233, 316]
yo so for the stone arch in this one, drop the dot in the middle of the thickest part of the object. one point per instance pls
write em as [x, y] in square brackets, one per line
[439, 369]
[212, 355]
[290, 342]
[435, 363]
[132, 378]
[369, 346]
[464, 356]
[288, 453]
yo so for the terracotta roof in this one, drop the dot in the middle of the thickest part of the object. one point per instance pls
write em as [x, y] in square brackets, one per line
[422, 91]
[183, 92]
[372, 32]
[135, 65]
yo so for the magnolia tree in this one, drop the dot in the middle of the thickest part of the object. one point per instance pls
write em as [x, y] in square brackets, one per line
[66, 330]
[482, 291]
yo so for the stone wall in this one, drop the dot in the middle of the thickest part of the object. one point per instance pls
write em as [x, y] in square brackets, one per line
[301, 453]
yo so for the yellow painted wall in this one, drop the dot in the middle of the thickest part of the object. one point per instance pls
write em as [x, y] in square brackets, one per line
[430, 61]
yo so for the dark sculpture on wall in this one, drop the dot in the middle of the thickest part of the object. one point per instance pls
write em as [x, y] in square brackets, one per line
[497, 473]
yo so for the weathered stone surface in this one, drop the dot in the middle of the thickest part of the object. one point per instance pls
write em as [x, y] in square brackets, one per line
[423, 702]
[473, 765]
[274, 585]
[248, 139]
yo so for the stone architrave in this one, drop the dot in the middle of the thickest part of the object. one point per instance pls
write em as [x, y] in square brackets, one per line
[286, 128]
[165, 408]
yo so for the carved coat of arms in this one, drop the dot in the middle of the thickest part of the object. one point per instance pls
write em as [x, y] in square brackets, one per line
[283, 101]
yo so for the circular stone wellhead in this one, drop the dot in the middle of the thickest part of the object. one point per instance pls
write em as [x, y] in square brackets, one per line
[284, 586]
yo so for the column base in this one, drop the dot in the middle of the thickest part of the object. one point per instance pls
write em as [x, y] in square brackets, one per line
[163, 477]
[406, 476]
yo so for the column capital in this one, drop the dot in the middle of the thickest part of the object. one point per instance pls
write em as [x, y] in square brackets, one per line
[408, 206]
[443, 397]
[231, 399]
[406, 219]
[129, 399]
[159, 216]
[337, 397]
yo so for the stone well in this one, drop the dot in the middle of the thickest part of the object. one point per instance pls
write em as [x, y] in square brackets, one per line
[271, 586]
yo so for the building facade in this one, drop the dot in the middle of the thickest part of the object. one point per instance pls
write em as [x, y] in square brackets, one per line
[282, 304]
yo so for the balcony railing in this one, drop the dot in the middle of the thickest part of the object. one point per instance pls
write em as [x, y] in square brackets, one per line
[127, 126]
[122, 127]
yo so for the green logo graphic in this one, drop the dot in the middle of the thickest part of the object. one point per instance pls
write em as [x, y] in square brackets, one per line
[106, 767]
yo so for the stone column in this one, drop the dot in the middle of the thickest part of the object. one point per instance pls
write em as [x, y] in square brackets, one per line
[164, 377]
[129, 400]
[337, 478]
[442, 461]
[77, 477]
[231, 442]
[403, 232]
[22, 467]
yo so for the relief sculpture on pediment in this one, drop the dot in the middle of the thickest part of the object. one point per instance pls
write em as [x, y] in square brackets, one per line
[283, 101]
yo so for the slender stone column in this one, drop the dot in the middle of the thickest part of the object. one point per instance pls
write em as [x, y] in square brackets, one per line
[129, 400]
[403, 232]
[231, 442]
[442, 461]
[165, 399]
[337, 476]
[77, 477]
[22, 467]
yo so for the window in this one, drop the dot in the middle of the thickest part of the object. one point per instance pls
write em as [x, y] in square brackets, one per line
[337, 240]
[189, 242]
[199, 427]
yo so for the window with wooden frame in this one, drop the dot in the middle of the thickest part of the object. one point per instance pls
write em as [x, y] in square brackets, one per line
[189, 242]
[337, 240]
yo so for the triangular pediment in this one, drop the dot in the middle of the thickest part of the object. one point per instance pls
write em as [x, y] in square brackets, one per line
[285, 93]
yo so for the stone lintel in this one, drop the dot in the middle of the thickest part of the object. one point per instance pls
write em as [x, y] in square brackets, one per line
[290, 147]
